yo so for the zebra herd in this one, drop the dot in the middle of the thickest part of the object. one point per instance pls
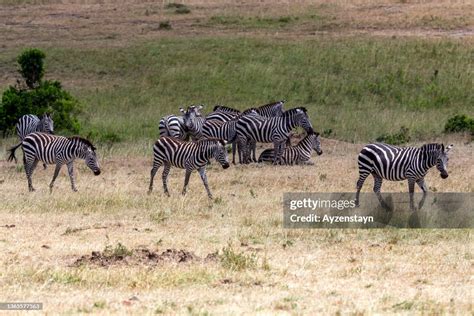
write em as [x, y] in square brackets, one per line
[190, 140]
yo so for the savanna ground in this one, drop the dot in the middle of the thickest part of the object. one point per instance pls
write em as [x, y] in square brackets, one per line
[362, 69]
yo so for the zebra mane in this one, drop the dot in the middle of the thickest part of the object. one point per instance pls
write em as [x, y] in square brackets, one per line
[83, 141]
[271, 104]
[292, 111]
[225, 108]
[210, 140]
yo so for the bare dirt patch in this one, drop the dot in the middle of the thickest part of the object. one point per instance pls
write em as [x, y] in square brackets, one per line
[141, 256]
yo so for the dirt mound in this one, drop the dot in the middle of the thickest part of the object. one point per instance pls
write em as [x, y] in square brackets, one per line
[136, 256]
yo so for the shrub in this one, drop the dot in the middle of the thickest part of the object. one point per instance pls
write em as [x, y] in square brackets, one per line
[182, 10]
[459, 123]
[31, 66]
[237, 261]
[39, 96]
[399, 138]
[166, 25]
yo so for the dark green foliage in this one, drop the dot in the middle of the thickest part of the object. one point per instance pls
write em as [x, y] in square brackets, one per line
[182, 10]
[31, 66]
[402, 137]
[45, 96]
[165, 25]
[107, 138]
[179, 8]
[459, 123]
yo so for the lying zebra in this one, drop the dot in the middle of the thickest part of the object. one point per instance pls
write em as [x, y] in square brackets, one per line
[169, 151]
[394, 163]
[298, 154]
[59, 150]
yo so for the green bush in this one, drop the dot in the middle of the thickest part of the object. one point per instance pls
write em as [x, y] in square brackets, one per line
[39, 96]
[459, 123]
[402, 137]
[31, 66]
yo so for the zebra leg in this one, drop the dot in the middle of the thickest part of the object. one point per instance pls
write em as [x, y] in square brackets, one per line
[202, 173]
[186, 181]
[411, 190]
[377, 186]
[154, 169]
[253, 145]
[421, 183]
[70, 170]
[164, 177]
[29, 168]
[44, 166]
[279, 147]
[56, 172]
[234, 145]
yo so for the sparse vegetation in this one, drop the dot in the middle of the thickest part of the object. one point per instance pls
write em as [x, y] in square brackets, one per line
[399, 138]
[459, 123]
[237, 261]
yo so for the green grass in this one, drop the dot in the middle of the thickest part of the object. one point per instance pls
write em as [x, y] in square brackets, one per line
[359, 88]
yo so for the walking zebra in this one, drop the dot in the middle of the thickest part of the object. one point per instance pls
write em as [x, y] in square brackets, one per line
[271, 130]
[59, 150]
[193, 121]
[401, 163]
[225, 130]
[169, 152]
[299, 154]
[28, 124]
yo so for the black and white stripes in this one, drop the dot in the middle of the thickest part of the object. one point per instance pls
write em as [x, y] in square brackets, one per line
[28, 124]
[59, 150]
[190, 156]
[295, 155]
[401, 163]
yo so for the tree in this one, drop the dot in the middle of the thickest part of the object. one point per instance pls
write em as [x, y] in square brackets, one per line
[36, 96]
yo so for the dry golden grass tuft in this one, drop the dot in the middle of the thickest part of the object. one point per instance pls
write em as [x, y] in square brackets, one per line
[259, 266]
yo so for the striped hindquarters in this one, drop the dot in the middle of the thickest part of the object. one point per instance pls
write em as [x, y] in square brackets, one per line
[387, 161]
[47, 148]
[27, 124]
[172, 126]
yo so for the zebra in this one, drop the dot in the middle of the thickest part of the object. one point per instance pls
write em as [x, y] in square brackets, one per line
[173, 126]
[271, 109]
[59, 150]
[401, 163]
[193, 121]
[225, 130]
[299, 154]
[275, 130]
[28, 124]
[170, 151]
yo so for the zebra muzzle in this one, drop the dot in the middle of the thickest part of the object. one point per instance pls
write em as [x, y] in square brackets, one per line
[225, 166]
[444, 175]
[97, 172]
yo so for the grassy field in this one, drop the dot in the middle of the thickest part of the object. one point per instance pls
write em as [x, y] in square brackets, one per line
[362, 68]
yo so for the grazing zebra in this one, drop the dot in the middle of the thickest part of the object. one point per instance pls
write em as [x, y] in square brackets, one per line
[401, 163]
[224, 130]
[271, 130]
[299, 154]
[169, 152]
[59, 150]
[193, 121]
[173, 126]
[28, 124]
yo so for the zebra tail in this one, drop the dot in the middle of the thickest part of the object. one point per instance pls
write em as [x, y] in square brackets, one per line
[12, 153]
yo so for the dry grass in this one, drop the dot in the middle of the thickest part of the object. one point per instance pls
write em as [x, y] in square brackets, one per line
[116, 23]
[296, 271]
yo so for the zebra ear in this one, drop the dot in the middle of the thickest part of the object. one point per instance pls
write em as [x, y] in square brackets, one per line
[200, 106]
[449, 148]
[182, 110]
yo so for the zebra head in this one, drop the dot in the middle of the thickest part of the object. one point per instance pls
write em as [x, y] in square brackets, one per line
[316, 143]
[46, 124]
[190, 116]
[220, 153]
[302, 119]
[442, 160]
[86, 151]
